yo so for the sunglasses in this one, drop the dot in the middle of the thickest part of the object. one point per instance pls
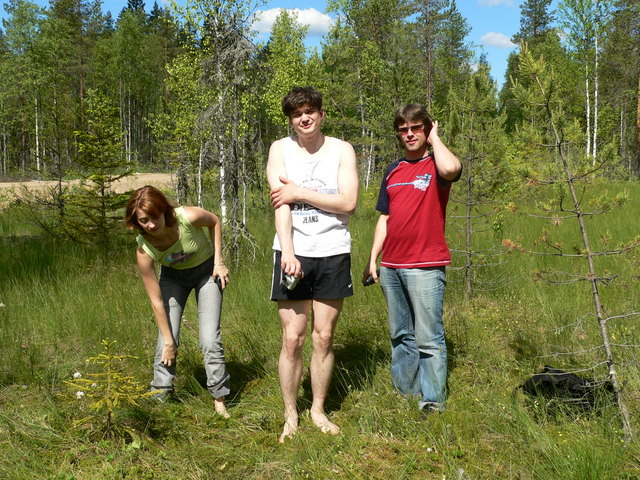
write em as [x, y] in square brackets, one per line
[412, 128]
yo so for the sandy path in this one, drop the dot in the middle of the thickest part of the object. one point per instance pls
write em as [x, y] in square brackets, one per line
[11, 190]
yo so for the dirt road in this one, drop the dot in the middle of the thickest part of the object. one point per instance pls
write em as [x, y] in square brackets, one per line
[12, 190]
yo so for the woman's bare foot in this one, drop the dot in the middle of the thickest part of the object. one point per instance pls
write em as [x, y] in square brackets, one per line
[323, 423]
[290, 429]
[221, 410]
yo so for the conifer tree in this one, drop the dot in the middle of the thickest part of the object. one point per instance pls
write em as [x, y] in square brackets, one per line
[285, 58]
[94, 211]
[535, 21]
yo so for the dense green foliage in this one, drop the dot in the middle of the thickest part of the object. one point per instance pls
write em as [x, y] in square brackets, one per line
[193, 93]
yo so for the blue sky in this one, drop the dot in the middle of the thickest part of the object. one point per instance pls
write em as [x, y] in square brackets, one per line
[493, 23]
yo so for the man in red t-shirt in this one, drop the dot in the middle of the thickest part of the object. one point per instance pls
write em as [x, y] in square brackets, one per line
[410, 235]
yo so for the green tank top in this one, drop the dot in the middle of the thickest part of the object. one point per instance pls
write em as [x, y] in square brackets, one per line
[191, 249]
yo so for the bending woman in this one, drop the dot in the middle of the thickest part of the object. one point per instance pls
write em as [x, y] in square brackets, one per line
[175, 237]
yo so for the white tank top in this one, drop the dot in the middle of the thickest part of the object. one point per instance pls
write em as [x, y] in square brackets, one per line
[316, 233]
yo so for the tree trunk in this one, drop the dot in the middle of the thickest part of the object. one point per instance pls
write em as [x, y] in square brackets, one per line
[4, 148]
[638, 130]
[37, 120]
[587, 107]
[245, 189]
[595, 105]
[223, 180]
[468, 228]
[199, 179]
[370, 160]
[593, 279]
[427, 45]
[363, 133]
[4, 143]
[129, 128]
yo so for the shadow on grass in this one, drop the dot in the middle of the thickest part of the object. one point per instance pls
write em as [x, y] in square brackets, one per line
[241, 374]
[356, 364]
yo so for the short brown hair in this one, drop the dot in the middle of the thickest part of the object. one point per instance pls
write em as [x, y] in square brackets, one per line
[151, 201]
[300, 96]
[413, 112]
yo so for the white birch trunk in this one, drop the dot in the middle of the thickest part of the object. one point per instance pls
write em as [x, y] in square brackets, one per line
[369, 161]
[595, 105]
[123, 121]
[4, 148]
[4, 144]
[199, 178]
[363, 134]
[244, 188]
[588, 108]
[37, 136]
[129, 129]
[623, 150]
[223, 181]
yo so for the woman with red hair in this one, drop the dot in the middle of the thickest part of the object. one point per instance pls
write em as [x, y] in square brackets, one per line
[176, 238]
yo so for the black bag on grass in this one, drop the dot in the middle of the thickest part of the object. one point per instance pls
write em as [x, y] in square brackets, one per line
[556, 384]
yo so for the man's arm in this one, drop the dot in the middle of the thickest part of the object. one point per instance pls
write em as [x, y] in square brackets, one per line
[344, 202]
[447, 163]
[379, 235]
[276, 170]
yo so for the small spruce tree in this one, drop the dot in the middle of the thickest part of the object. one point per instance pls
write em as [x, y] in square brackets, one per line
[94, 209]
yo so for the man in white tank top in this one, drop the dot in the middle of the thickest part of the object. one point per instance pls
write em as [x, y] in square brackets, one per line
[314, 189]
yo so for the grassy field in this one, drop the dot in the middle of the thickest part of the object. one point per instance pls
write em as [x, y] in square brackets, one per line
[59, 300]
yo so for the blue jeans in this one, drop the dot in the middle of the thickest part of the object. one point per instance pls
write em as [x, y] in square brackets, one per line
[418, 349]
[175, 286]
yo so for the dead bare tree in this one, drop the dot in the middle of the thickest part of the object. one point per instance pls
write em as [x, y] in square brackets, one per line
[542, 95]
[226, 71]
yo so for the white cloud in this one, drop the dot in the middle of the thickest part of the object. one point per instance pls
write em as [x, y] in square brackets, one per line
[495, 3]
[500, 40]
[319, 23]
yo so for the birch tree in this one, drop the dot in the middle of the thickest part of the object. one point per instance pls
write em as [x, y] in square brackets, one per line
[585, 21]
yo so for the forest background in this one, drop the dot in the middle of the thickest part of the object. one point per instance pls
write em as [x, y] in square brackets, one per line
[544, 252]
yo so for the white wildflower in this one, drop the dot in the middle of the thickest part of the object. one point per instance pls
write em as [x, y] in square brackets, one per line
[79, 394]
[77, 375]
[94, 385]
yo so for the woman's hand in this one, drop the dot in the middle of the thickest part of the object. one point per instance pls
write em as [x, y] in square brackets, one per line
[221, 272]
[169, 353]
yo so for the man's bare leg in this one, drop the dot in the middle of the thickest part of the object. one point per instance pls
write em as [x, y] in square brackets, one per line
[325, 316]
[293, 317]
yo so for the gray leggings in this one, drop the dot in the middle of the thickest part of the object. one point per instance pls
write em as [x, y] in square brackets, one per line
[175, 286]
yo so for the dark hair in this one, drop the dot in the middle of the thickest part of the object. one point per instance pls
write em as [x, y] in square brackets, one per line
[300, 96]
[413, 112]
[152, 202]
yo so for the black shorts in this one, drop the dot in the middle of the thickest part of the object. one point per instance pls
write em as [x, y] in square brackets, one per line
[325, 278]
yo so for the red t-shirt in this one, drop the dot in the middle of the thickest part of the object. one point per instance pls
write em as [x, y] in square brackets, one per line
[415, 198]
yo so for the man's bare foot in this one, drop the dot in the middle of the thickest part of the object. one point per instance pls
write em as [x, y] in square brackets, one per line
[289, 430]
[221, 410]
[323, 423]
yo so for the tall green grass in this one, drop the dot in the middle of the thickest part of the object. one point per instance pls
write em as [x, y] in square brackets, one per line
[61, 299]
